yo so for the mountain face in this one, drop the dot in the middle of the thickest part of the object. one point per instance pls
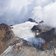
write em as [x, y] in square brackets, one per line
[23, 31]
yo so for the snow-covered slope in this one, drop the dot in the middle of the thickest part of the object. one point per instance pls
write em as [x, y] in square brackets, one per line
[24, 29]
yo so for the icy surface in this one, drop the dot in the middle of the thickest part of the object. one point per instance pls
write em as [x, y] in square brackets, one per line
[24, 29]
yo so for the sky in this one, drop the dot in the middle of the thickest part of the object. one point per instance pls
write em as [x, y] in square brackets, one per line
[18, 11]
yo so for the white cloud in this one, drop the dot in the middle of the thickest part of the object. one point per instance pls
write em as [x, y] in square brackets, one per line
[47, 13]
[13, 11]
[50, 14]
[37, 13]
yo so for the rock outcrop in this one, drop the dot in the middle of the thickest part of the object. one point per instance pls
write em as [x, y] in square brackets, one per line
[6, 34]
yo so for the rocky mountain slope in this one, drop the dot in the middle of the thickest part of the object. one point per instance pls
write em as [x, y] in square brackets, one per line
[23, 31]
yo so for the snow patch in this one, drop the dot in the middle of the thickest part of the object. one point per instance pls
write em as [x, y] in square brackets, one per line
[24, 29]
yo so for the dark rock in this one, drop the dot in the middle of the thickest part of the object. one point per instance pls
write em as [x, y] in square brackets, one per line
[31, 20]
[36, 29]
[48, 35]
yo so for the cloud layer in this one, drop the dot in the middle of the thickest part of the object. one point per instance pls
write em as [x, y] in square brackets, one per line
[46, 13]
[18, 11]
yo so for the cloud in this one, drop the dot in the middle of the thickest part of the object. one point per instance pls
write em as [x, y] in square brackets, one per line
[46, 13]
[15, 11]
[50, 14]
